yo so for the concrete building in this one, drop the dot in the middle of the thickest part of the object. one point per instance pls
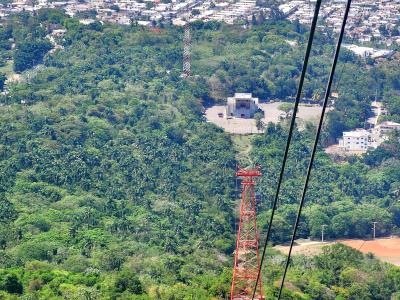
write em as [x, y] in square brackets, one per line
[360, 140]
[242, 105]
[356, 140]
[386, 127]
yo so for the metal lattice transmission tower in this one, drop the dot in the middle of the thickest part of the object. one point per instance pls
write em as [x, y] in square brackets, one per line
[186, 51]
[247, 259]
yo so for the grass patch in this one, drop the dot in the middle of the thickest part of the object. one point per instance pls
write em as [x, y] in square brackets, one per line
[242, 146]
[7, 68]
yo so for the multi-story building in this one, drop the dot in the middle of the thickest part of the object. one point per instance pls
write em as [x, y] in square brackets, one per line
[362, 140]
[356, 140]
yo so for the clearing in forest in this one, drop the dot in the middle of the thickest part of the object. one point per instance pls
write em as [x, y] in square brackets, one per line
[272, 113]
[386, 249]
[242, 146]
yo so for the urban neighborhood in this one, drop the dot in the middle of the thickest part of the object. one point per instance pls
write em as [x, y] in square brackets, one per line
[368, 20]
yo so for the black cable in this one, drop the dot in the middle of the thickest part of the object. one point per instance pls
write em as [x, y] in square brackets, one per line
[314, 150]
[289, 138]
[343, 67]
[347, 57]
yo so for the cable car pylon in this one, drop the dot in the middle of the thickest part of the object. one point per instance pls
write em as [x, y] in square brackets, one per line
[247, 259]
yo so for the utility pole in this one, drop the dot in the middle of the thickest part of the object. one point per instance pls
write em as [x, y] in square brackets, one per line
[374, 228]
[322, 232]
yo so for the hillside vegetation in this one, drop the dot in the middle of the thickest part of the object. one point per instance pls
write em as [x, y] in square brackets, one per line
[113, 186]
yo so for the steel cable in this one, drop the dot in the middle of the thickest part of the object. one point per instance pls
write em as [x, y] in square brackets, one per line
[314, 150]
[291, 129]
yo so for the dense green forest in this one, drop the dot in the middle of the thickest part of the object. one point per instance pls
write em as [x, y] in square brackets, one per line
[113, 186]
[346, 196]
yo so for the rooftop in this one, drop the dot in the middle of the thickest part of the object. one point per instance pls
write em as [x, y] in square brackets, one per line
[243, 95]
[359, 132]
[389, 123]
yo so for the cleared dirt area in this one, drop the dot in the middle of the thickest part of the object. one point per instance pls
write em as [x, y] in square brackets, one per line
[386, 249]
[306, 112]
[233, 125]
[336, 150]
[248, 126]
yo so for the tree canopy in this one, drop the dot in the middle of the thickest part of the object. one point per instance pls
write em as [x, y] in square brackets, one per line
[112, 185]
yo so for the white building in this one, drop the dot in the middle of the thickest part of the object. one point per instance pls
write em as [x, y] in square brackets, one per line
[386, 127]
[242, 105]
[369, 52]
[235, 11]
[360, 51]
[356, 140]
[360, 140]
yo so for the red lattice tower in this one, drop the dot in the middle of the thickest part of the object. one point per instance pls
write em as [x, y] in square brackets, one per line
[247, 259]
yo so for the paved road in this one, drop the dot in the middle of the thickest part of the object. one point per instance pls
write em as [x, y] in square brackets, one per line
[376, 108]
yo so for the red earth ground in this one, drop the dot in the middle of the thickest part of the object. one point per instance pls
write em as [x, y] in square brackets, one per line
[386, 249]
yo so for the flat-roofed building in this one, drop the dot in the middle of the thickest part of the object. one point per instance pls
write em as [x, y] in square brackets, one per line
[356, 140]
[242, 105]
[387, 126]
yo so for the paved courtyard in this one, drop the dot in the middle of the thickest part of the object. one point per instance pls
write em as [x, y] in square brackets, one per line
[248, 126]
